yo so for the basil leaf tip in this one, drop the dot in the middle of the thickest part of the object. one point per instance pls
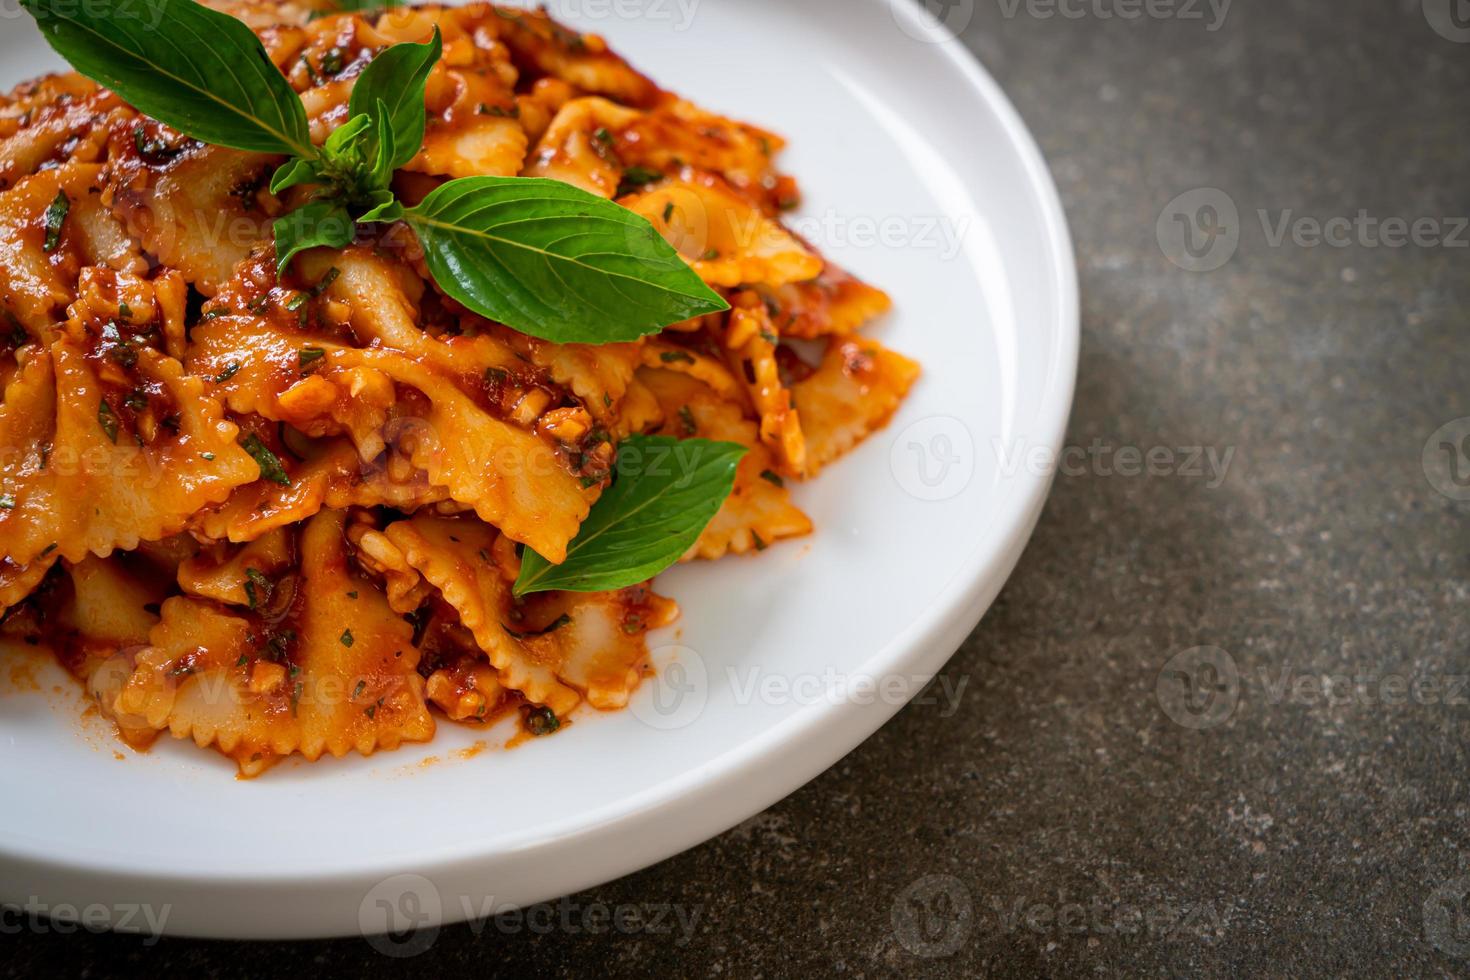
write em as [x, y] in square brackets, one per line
[666, 492]
[396, 79]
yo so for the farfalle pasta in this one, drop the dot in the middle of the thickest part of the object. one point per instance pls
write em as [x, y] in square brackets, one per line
[284, 506]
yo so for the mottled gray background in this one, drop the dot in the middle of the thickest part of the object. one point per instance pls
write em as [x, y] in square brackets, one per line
[1074, 826]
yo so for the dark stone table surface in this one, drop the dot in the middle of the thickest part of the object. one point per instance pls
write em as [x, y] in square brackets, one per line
[1216, 724]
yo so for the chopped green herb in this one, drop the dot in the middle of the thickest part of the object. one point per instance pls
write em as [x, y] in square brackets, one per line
[310, 355]
[760, 544]
[357, 691]
[675, 356]
[7, 502]
[258, 588]
[124, 310]
[18, 336]
[269, 463]
[346, 638]
[136, 400]
[668, 211]
[244, 659]
[280, 644]
[635, 179]
[542, 721]
[556, 624]
[54, 218]
[297, 302]
[607, 400]
[352, 594]
[207, 457]
[331, 276]
[153, 150]
[231, 369]
[711, 255]
[632, 625]
[771, 476]
[332, 61]
[107, 420]
[686, 420]
[419, 620]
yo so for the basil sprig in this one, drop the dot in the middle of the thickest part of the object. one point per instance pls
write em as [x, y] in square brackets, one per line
[666, 492]
[545, 258]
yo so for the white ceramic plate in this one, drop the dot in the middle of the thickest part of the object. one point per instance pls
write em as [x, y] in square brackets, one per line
[918, 176]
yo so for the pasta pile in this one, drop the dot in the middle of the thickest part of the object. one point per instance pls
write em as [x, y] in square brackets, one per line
[282, 514]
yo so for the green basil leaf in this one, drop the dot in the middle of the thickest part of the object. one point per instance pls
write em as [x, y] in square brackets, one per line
[354, 6]
[555, 262]
[343, 147]
[385, 142]
[269, 463]
[667, 490]
[396, 77]
[384, 207]
[294, 172]
[54, 220]
[200, 71]
[320, 223]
